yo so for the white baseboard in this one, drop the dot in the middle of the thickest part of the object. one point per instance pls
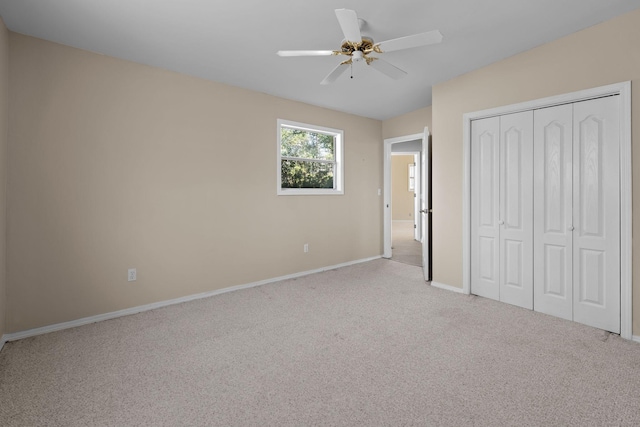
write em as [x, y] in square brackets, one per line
[3, 339]
[446, 287]
[141, 308]
[635, 338]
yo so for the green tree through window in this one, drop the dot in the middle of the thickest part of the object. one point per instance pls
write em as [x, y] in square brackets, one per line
[310, 159]
[307, 158]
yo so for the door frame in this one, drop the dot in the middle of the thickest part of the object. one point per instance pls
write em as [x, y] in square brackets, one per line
[387, 252]
[623, 89]
[417, 192]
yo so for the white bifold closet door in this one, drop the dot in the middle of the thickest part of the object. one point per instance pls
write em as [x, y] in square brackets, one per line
[502, 208]
[577, 212]
[553, 241]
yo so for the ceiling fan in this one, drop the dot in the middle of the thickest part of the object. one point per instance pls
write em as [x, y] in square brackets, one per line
[358, 48]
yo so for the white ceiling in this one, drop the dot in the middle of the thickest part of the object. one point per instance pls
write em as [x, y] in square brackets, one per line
[235, 42]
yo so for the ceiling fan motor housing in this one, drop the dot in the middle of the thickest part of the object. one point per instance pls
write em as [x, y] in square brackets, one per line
[365, 46]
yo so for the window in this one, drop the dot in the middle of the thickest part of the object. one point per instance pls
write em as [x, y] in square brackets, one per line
[309, 159]
[412, 177]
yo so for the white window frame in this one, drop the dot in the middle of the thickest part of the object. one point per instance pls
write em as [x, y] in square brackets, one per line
[412, 177]
[338, 171]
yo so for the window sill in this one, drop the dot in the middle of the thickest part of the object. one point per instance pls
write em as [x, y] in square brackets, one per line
[309, 192]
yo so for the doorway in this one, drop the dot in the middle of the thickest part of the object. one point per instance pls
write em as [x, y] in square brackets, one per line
[405, 189]
[417, 145]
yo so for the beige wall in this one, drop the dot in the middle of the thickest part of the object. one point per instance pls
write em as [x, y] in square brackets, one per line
[401, 197]
[600, 55]
[115, 165]
[4, 111]
[407, 124]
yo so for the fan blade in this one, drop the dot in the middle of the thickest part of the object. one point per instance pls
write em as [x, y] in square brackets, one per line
[390, 70]
[305, 52]
[422, 39]
[337, 72]
[348, 21]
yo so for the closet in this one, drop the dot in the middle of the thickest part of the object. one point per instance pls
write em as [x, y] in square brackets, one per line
[545, 210]
[502, 208]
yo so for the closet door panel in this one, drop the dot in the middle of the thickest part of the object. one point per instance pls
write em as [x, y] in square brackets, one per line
[485, 158]
[553, 186]
[596, 214]
[516, 209]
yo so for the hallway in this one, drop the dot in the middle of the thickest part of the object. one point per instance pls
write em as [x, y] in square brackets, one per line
[404, 247]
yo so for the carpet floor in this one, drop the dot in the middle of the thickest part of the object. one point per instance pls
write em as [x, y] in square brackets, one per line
[404, 248]
[369, 344]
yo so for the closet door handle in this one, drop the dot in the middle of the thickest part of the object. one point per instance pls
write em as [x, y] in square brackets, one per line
[571, 228]
[501, 222]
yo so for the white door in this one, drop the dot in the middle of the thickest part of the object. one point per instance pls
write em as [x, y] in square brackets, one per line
[577, 212]
[553, 244]
[516, 209]
[596, 213]
[485, 175]
[425, 209]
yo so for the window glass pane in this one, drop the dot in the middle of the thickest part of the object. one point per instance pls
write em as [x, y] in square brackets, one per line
[301, 174]
[307, 145]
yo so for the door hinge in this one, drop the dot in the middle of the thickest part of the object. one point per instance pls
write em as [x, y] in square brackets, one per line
[415, 226]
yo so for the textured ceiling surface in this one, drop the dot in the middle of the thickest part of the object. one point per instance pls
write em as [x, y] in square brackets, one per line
[236, 42]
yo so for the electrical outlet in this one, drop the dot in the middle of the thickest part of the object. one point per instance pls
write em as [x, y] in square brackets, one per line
[132, 275]
[306, 248]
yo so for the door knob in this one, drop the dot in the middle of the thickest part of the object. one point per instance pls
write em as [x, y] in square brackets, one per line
[571, 228]
[501, 222]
